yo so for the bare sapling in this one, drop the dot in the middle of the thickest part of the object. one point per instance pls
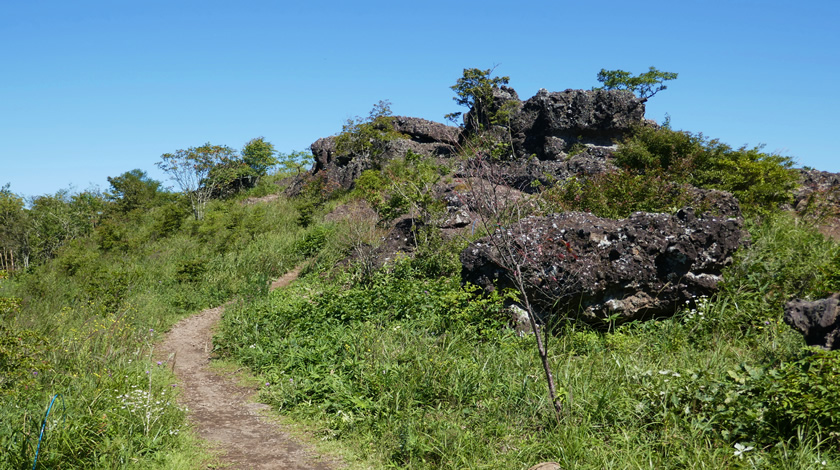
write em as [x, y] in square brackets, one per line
[499, 206]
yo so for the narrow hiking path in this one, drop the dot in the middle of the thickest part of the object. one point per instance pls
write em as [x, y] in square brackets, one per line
[223, 412]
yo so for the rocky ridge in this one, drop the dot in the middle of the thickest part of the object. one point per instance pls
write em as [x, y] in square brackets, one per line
[643, 266]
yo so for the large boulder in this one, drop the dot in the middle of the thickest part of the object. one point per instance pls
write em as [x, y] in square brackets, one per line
[596, 269]
[428, 132]
[818, 321]
[532, 174]
[420, 136]
[549, 124]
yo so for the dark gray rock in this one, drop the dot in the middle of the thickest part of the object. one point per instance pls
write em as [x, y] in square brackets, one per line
[569, 133]
[818, 193]
[818, 321]
[427, 132]
[421, 136]
[583, 266]
[531, 174]
[549, 124]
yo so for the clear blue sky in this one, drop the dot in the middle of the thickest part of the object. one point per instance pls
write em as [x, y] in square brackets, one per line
[91, 89]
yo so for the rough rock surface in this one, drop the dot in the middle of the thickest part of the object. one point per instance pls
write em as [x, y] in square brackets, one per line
[818, 188]
[549, 124]
[423, 137]
[593, 268]
[818, 321]
[523, 173]
[427, 132]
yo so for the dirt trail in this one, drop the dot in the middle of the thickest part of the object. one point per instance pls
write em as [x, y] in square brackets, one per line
[223, 412]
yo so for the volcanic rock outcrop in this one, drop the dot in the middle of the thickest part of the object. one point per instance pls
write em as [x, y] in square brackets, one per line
[549, 124]
[544, 131]
[421, 136]
[573, 264]
[819, 192]
[596, 269]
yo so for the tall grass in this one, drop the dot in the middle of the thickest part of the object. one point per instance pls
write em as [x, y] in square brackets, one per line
[417, 372]
[86, 324]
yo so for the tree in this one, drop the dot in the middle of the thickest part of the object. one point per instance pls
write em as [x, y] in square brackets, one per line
[644, 86]
[474, 90]
[191, 169]
[496, 210]
[232, 176]
[133, 190]
[14, 231]
[294, 163]
[57, 219]
[259, 155]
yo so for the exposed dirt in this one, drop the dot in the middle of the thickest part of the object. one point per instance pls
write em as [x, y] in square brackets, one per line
[222, 411]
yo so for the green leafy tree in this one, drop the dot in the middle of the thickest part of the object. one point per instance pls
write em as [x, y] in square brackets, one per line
[259, 155]
[133, 190]
[644, 86]
[191, 169]
[474, 90]
[232, 176]
[294, 163]
[14, 231]
[59, 218]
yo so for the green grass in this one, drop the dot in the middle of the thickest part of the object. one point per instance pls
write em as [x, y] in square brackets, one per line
[416, 372]
[403, 364]
[84, 327]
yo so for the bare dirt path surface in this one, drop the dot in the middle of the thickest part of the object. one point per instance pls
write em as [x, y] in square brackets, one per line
[222, 411]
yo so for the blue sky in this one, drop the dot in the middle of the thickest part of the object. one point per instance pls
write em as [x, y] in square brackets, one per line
[92, 89]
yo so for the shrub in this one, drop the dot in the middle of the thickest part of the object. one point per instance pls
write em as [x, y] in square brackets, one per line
[367, 137]
[761, 182]
[617, 194]
[764, 405]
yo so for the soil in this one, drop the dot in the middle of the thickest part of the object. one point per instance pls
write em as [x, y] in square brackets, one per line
[222, 411]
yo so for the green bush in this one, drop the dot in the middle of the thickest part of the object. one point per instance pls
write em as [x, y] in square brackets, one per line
[316, 191]
[404, 185]
[761, 182]
[619, 193]
[368, 137]
[760, 405]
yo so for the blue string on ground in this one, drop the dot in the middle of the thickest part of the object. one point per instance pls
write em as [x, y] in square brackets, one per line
[44, 425]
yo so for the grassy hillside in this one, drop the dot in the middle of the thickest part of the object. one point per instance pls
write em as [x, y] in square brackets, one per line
[83, 325]
[420, 373]
[402, 362]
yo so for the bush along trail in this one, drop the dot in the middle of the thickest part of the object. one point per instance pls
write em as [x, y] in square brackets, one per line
[222, 412]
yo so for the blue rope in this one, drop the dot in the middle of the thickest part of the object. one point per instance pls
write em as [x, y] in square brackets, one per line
[44, 425]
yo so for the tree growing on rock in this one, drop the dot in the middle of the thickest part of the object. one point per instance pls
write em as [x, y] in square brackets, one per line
[474, 90]
[644, 86]
[368, 137]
